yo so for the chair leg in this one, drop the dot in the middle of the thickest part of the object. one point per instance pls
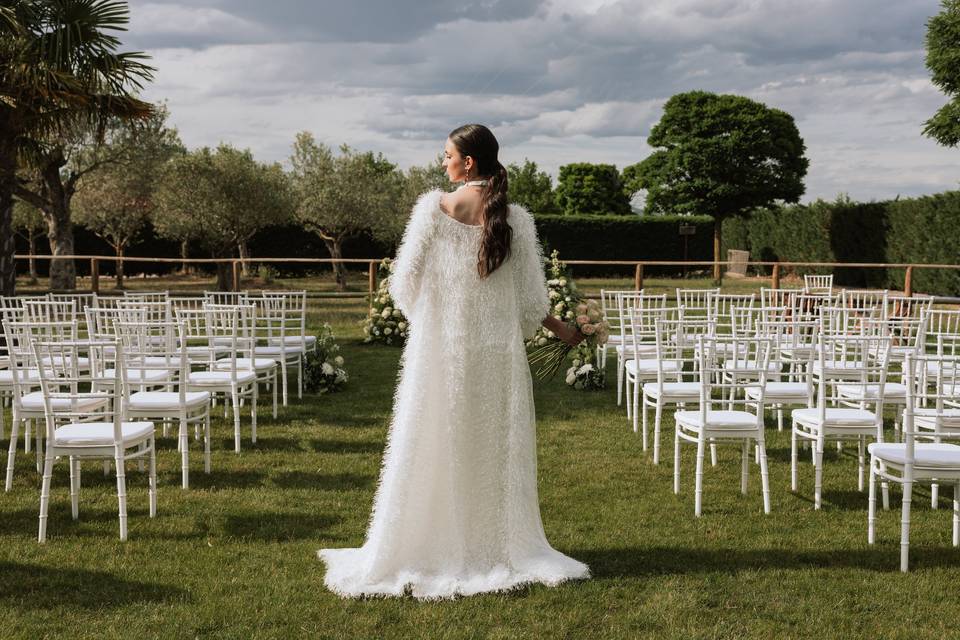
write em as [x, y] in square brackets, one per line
[780, 418]
[934, 495]
[300, 377]
[236, 419]
[284, 377]
[713, 453]
[764, 477]
[818, 472]
[657, 420]
[184, 438]
[628, 393]
[122, 494]
[45, 496]
[793, 458]
[905, 527]
[871, 504]
[26, 437]
[744, 465]
[11, 455]
[698, 487]
[676, 461]
[643, 421]
[74, 487]
[253, 413]
[956, 514]
[273, 388]
[153, 475]
[206, 443]
[860, 456]
[619, 382]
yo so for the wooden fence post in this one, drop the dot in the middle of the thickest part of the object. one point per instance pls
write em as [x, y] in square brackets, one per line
[775, 284]
[638, 277]
[908, 282]
[94, 275]
[372, 279]
[236, 275]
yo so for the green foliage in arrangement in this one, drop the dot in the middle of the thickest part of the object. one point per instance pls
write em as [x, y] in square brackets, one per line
[943, 61]
[609, 237]
[913, 230]
[323, 370]
[385, 323]
[531, 187]
[584, 188]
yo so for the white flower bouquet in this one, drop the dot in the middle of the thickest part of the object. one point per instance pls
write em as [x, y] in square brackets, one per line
[584, 374]
[384, 322]
[323, 369]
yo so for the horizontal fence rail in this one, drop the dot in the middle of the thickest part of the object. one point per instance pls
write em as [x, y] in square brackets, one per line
[373, 263]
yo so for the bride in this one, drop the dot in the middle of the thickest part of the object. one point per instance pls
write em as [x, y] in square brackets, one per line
[456, 510]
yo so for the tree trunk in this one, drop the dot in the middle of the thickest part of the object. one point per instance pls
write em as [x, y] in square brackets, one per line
[334, 246]
[224, 270]
[63, 272]
[32, 240]
[119, 249]
[244, 252]
[717, 271]
[8, 173]
[184, 254]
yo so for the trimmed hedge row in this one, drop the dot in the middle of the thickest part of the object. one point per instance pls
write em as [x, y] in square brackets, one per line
[616, 237]
[914, 230]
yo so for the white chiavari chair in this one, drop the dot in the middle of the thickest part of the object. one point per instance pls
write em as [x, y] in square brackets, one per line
[147, 296]
[859, 363]
[695, 302]
[906, 306]
[910, 462]
[611, 313]
[639, 361]
[259, 329]
[818, 284]
[89, 424]
[708, 424]
[626, 303]
[295, 305]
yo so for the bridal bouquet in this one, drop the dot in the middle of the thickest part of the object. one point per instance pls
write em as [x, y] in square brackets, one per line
[584, 374]
[384, 322]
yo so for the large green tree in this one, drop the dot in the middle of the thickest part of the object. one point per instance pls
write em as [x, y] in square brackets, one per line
[531, 187]
[60, 72]
[28, 223]
[220, 199]
[591, 189]
[340, 196]
[943, 61]
[721, 155]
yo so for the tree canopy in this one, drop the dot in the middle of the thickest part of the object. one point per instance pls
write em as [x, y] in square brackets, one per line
[721, 155]
[943, 61]
[591, 189]
[531, 187]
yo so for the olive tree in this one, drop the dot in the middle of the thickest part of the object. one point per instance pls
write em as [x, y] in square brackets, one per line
[943, 61]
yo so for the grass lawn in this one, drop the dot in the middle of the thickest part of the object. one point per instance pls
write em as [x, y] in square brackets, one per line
[234, 556]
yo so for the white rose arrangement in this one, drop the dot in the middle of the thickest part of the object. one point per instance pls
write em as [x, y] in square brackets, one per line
[323, 369]
[384, 323]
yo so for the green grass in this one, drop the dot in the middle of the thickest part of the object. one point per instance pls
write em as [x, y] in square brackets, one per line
[234, 556]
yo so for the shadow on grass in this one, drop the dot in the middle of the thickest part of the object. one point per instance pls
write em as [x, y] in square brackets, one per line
[31, 586]
[346, 446]
[639, 562]
[226, 479]
[274, 444]
[270, 526]
[322, 482]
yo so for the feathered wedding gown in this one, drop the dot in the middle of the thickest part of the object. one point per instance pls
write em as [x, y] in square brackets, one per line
[456, 510]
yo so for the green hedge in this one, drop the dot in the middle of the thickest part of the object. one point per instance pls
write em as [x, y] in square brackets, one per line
[914, 230]
[616, 237]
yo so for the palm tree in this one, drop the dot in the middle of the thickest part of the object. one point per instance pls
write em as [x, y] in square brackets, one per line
[60, 71]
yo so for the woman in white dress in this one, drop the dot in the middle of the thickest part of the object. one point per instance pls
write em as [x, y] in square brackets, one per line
[456, 510]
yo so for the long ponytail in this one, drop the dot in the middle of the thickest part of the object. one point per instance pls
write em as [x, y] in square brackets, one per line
[477, 141]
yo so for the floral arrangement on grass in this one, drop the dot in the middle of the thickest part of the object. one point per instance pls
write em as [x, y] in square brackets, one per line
[323, 369]
[384, 323]
[549, 352]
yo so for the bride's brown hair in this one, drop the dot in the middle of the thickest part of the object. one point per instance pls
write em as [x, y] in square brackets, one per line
[478, 142]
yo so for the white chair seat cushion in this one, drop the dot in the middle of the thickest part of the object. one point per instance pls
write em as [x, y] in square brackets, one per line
[167, 400]
[934, 366]
[779, 392]
[295, 341]
[675, 390]
[100, 433]
[276, 350]
[925, 455]
[891, 391]
[835, 417]
[718, 419]
[84, 402]
[140, 375]
[6, 376]
[642, 349]
[650, 366]
[747, 366]
[837, 367]
[926, 418]
[260, 364]
[219, 378]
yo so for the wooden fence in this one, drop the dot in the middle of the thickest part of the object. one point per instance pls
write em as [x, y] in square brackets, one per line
[373, 263]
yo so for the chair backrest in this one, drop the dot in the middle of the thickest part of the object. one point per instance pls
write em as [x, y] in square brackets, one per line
[628, 302]
[779, 297]
[147, 296]
[187, 302]
[611, 308]
[150, 311]
[101, 322]
[866, 300]
[695, 301]
[860, 362]
[50, 310]
[731, 363]
[940, 332]
[229, 328]
[643, 324]
[227, 297]
[675, 343]
[842, 320]
[154, 347]
[82, 300]
[907, 307]
[295, 305]
[934, 386]
[67, 387]
[818, 284]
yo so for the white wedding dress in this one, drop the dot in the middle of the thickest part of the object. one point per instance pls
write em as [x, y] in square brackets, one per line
[456, 510]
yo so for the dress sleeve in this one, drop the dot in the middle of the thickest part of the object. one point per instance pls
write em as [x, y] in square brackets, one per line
[529, 279]
[407, 276]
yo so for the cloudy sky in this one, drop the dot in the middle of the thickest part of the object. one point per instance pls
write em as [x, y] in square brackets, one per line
[558, 81]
